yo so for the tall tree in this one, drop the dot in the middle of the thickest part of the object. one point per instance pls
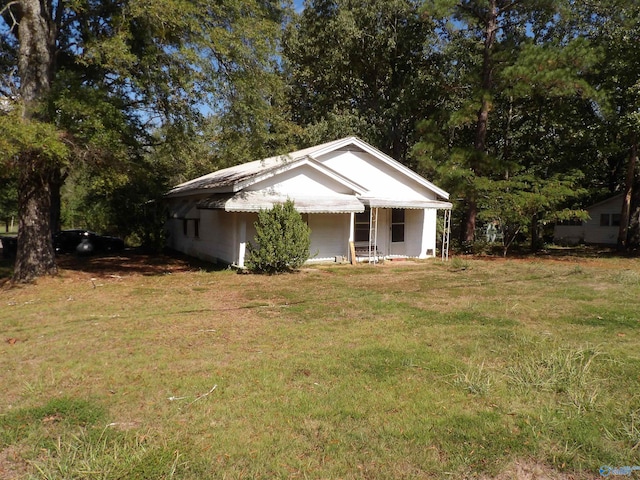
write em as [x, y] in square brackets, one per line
[477, 33]
[89, 81]
[614, 26]
[34, 26]
[511, 80]
[362, 67]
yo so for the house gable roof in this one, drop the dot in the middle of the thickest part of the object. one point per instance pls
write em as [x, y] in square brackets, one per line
[355, 144]
[300, 165]
[242, 177]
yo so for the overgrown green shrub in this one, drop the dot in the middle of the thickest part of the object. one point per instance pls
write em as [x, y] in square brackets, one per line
[282, 240]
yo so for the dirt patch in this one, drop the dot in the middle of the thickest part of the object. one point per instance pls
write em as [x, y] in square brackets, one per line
[12, 465]
[530, 470]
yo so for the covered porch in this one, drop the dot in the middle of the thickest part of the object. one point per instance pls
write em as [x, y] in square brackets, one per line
[389, 229]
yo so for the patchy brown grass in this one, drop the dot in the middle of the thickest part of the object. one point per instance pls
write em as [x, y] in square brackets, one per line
[469, 369]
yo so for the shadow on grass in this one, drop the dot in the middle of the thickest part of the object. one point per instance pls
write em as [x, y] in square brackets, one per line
[137, 262]
[129, 262]
[6, 268]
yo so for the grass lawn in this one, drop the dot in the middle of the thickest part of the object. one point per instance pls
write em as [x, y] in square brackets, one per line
[140, 368]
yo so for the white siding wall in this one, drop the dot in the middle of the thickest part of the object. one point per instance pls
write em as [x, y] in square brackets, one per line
[304, 180]
[176, 237]
[429, 225]
[419, 234]
[329, 235]
[218, 235]
[189, 243]
[593, 232]
[568, 234]
[173, 228]
[198, 247]
[384, 231]
[378, 178]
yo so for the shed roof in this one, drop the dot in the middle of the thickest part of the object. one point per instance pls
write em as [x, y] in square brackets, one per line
[614, 200]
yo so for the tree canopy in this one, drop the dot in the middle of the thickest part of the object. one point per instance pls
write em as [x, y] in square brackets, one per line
[104, 103]
[362, 67]
[96, 86]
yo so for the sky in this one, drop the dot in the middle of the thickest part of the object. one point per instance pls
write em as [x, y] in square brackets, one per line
[298, 4]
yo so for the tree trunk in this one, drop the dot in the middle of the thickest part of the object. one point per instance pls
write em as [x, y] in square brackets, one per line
[482, 122]
[470, 222]
[534, 233]
[35, 256]
[633, 233]
[625, 214]
[36, 34]
[57, 180]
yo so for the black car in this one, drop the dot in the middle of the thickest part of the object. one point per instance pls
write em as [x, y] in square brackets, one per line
[9, 246]
[85, 242]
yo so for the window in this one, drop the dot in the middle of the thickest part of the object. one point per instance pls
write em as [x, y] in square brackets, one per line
[185, 227]
[196, 228]
[609, 219]
[397, 225]
[615, 219]
[361, 233]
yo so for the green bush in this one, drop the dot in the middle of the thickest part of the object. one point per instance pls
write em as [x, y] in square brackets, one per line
[282, 240]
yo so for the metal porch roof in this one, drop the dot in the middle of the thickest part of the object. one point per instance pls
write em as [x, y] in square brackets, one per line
[376, 202]
[254, 201]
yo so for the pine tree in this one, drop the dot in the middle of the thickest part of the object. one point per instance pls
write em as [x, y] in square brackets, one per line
[513, 88]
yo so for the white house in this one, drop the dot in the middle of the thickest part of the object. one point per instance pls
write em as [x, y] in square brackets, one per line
[600, 229]
[358, 202]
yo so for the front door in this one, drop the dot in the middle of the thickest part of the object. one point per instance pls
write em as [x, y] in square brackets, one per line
[369, 232]
[397, 232]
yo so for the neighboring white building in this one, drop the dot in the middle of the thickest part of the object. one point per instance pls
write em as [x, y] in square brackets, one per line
[600, 229]
[353, 197]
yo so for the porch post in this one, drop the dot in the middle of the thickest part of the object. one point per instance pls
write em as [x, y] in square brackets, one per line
[352, 229]
[242, 240]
